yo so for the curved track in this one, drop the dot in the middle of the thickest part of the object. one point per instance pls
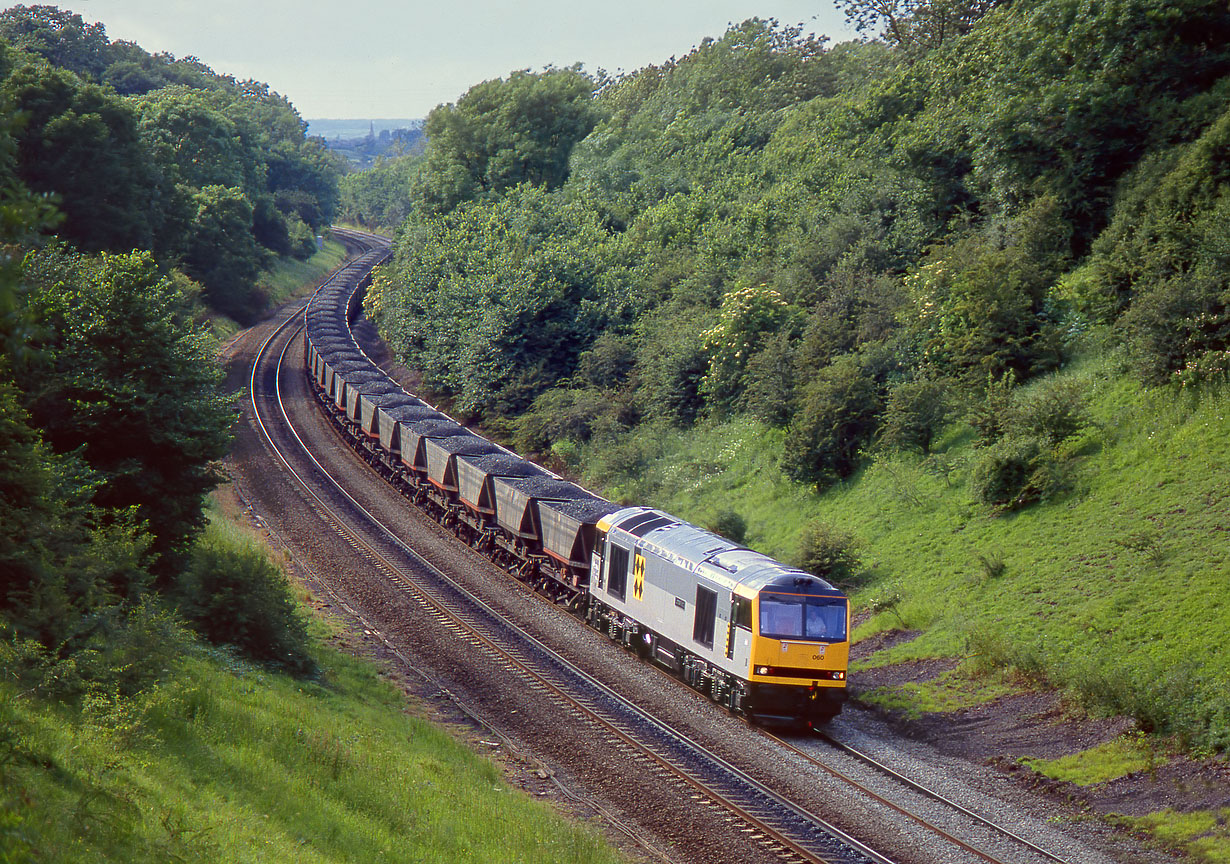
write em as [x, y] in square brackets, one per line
[782, 827]
[785, 828]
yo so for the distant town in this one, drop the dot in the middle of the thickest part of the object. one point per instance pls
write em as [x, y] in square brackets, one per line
[362, 142]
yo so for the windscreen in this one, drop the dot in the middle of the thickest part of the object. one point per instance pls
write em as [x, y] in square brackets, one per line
[821, 619]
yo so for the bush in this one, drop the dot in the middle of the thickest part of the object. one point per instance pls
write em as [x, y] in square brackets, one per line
[128, 651]
[980, 300]
[559, 414]
[301, 239]
[989, 415]
[838, 417]
[828, 552]
[670, 367]
[914, 413]
[1017, 471]
[1006, 475]
[1052, 411]
[729, 524]
[769, 383]
[1166, 251]
[233, 594]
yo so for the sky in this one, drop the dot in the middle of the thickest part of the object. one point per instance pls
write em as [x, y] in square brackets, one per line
[381, 58]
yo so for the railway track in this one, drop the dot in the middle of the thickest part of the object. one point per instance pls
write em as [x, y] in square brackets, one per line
[959, 810]
[784, 828]
[788, 830]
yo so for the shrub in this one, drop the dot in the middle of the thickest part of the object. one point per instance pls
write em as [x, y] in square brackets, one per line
[1005, 476]
[1166, 251]
[747, 317]
[989, 415]
[670, 366]
[914, 413]
[838, 417]
[233, 594]
[729, 524]
[128, 651]
[828, 552]
[980, 298]
[559, 414]
[769, 392]
[1017, 471]
[1052, 411]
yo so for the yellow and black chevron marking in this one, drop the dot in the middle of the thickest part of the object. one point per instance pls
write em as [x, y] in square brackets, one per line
[638, 576]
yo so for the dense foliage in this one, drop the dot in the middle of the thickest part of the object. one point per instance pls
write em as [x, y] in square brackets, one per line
[775, 265]
[213, 175]
[162, 183]
[824, 238]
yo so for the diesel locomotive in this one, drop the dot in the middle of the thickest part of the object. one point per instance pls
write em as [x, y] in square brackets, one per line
[765, 640]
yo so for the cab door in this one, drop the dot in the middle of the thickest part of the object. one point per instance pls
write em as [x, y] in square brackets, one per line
[739, 633]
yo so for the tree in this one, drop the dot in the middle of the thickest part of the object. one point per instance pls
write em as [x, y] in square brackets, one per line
[130, 385]
[80, 143]
[837, 418]
[504, 132]
[62, 38]
[496, 300]
[916, 24]
[195, 143]
[980, 300]
[746, 319]
[221, 251]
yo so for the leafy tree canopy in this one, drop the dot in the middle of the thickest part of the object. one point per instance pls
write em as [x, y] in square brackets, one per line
[130, 385]
[501, 133]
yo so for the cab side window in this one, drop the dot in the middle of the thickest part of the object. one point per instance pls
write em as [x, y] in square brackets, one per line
[706, 616]
[617, 571]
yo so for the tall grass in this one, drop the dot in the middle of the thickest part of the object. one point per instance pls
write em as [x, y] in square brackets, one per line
[216, 758]
[290, 275]
[228, 762]
[286, 279]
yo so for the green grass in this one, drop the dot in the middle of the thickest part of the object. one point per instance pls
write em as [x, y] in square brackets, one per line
[1203, 834]
[949, 691]
[1109, 761]
[227, 762]
[289, 276]
[1115, 590]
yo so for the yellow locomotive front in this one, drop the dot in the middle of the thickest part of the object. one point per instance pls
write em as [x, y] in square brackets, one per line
[800, 649]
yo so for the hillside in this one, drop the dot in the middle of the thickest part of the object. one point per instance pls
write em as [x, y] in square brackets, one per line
[942, 316]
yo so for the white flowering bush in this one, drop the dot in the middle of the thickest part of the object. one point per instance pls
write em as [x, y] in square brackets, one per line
[747, 318]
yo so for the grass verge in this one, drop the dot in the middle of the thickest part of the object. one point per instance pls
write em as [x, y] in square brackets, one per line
[226, 762]
[288, 277]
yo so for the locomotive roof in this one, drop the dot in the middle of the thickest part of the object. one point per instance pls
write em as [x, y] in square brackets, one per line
[717, 559]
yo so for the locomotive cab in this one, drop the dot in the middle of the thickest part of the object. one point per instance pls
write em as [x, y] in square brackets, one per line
[799, 646]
